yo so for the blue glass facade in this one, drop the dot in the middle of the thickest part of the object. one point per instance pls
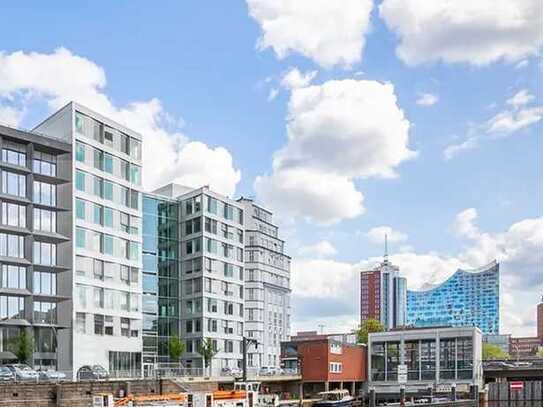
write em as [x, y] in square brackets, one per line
[467, 298]
[161, 277]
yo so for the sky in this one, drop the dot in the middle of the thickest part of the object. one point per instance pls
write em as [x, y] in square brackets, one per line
[349, 119]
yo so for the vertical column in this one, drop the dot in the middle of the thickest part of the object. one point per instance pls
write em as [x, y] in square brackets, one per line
[372, 398]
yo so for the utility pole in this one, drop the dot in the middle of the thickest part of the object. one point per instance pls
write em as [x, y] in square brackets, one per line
[244, 345]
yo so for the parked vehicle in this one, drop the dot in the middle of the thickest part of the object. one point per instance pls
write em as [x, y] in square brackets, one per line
[6, 375]
[334, 398]
[231, 371]
[95, 372]
[23, 372]
[51, 375]
[269, 371]
[290, 371]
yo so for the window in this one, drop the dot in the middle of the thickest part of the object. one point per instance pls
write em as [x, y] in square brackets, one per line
[80, 181]
[135, 149]
[13, 184]
[336, 367]
[81, 322]
[108, 325]
[13, 276]
[14, 153]
[45, 283]
[81, 294]
[135, 174]
[98, 324]
[45, 194]
[125, 327]
[45, 220]
[98, 297]
[125, 301]
[11, 245]
[108, 163]
[45, 253]
[211, 225]
[108, 217]
[45, 164]
[107, 244]
[80, 152]
[80, 238]
[45, 312]
[335, 348]
[211, 205]
[108, 190]
[11, 307]
[13, 215]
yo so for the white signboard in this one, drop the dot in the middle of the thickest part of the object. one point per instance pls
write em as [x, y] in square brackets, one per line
[402, 373]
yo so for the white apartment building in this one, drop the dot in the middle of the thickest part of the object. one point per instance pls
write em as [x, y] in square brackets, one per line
[105, 314]
[267, 286]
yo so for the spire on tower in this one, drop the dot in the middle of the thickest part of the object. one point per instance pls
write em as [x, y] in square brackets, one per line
[386, 248]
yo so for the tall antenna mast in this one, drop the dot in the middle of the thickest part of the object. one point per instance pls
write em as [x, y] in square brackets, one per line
[386, 248]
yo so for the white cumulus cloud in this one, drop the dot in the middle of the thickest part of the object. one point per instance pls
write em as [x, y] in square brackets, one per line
[296, 79]
[427, 99]
[377, 235]
[61, 76]
[320, 250]
[328, 32]
[338, 132]
[466, 31]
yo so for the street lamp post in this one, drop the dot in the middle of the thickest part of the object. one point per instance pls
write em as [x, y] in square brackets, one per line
[244, 345]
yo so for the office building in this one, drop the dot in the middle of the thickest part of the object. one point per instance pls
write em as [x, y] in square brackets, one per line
[36, 232]
[467, 298]
[211, 236]
[267, 286]
[104, 315]
[383, 294]
[540, 320]
[433, 358]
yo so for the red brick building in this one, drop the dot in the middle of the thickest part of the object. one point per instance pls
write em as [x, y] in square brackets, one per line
[370, 295]
[540, 321]
[325, 363]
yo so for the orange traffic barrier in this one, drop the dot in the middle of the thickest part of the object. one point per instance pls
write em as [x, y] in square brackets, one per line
[151, 397]
[226, 394]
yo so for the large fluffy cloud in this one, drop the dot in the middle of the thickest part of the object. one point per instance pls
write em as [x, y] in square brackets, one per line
[61, 76]
[329, 32]
[476, 32]
[377, 235]
[337, 132]
[519, 249]
[518, 114]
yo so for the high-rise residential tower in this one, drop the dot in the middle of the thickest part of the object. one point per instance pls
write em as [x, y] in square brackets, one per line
[36, 253]
[103, 319]
[383, 295]
[267, 286]
[211, 238]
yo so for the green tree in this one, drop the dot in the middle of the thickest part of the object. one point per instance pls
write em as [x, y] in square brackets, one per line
[23, 347]
[207, 351]
[539, 353]
[493, 352]
[176, 347]
[369, 326]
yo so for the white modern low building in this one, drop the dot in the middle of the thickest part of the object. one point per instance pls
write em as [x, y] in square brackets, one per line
[436, 358]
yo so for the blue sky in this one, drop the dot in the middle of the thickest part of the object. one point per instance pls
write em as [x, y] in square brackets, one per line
[201, 64]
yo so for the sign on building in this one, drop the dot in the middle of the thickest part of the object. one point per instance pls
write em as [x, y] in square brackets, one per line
[402, 373]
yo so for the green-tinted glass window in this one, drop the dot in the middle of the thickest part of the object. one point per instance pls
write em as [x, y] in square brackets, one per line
[80, 181]
[108, 245]
[97, 214]
[80, 238]
[108, 190]
[108, 163]
[80, 209]
[80, 152]
[108, 217]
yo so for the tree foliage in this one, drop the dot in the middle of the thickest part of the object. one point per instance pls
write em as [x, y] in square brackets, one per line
[23, 347]
[176, 347]
[369, 326]
[207, 351]
[493, 352]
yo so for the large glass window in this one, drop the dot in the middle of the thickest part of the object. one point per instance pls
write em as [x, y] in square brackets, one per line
[14, 153]
[428, 359]
[45, 220]
[378, 361]
[465, 358]
[80, 152]
[45, 283]
[45, 340]
[45, 312]
[45, 164]
[45, 253]
[13, 184]
[44, 193]
[13, 214]
[80, 181]
[81, 322]
[447, 354]
[411, 349]
[13, 276]
[11, 245]
[11, 307]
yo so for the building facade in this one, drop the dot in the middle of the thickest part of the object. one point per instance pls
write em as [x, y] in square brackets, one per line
[467, 298]
[267, 286]
[106, 318]
[432, 357]
[36, 232]
[383, 295]
[325, 363]
[540, 321]
[211, 249]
